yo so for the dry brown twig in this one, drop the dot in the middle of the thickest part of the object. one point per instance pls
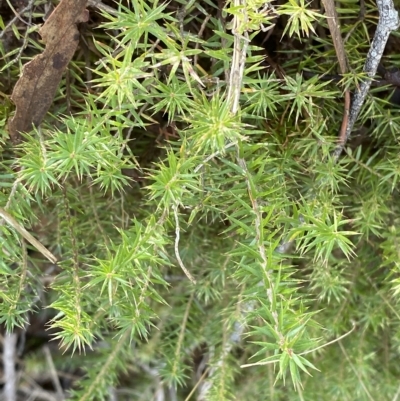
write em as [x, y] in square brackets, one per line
[334, 28]
[25, 234]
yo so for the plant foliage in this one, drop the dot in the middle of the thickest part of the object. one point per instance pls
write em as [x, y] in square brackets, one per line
[205, 251]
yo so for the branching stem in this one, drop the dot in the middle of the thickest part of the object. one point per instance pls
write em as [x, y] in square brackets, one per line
[388, 22]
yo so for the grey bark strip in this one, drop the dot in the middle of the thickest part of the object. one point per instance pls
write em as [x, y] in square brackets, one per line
[10, 376]
[388, 22]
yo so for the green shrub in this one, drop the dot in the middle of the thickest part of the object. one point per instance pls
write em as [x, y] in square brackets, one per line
[200, 221]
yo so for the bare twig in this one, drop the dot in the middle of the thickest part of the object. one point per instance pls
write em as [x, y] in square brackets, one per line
[9, 346]
[22, 231]
[101, 6]
[345, 120]
[25, 42]
[17, 16]
[199, 35]
[53, 373]
[334, 28]
[388, 22]
[37, 393]
[205, 373]
[177, 237]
